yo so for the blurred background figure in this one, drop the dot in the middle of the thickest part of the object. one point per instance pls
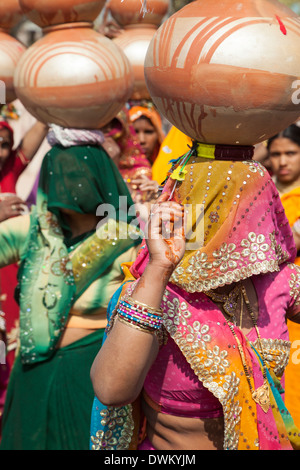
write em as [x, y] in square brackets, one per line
[284, 159]
[132, 147]
[147, 124]
[122, 145]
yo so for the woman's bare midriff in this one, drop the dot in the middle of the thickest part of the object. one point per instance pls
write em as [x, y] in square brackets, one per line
[81, 327]
[167, 432]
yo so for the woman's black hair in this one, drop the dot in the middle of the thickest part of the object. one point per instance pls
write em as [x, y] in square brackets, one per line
[292, 132]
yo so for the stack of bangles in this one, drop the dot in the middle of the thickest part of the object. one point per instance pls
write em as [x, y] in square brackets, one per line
[140, 316]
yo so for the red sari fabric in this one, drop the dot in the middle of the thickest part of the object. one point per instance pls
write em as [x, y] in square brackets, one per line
[9, 175]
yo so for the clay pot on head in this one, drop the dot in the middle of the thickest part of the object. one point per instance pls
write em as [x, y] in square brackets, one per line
[135, 12]
[74, 77]
[226, 72]
[134, 41]
[10, 14]
[11, 51]
[52, 12]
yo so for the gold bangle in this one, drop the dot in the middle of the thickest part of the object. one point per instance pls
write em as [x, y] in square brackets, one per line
[133, 302]
[135, 326]
[161, 334]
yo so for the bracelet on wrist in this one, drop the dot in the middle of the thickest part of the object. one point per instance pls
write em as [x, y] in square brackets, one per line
[141, 317]
[138, 314]
[137, 305]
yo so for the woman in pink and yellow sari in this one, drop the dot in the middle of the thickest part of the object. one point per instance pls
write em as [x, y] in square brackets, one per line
[197, 334]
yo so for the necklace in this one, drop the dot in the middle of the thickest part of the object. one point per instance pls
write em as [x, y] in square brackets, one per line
[261, 395]
[229, 300]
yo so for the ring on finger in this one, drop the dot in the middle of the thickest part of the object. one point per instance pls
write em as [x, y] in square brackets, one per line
[14, 207]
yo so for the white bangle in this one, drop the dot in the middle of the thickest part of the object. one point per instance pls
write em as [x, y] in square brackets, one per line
[2, 324]
[296, 227]
[2, 321]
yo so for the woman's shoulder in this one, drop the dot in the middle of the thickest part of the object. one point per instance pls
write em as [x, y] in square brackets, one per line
[289, 269]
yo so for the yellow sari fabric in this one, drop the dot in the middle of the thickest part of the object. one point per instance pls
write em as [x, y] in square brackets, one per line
[291, 204]
[173, 146]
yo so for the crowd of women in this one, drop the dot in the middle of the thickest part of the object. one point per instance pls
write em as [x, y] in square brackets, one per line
[193, 356]
[128, 337]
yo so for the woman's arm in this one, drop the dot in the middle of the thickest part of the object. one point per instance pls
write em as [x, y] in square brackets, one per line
[33, 139]
[120, 368]
[13, 235]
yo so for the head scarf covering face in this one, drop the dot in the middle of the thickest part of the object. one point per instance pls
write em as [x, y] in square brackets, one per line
[54, 273]
[236, 224]
[81, 178]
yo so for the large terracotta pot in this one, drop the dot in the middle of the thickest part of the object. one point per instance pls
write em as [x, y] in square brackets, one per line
[134, 42]
[11, 51]
[132, 11]
[53, 12]
[225, 71]
[10, 13]
[74, 77]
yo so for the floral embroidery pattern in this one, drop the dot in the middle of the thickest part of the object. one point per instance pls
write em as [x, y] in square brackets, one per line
[255, 247]
[118, 425]
[231, 263]
[294, 283]
[225, 257]
[255, 167]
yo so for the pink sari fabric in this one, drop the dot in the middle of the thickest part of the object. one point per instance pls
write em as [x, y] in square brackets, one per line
[212, 361]
[171, 382]
[197, 326]
[172, 385]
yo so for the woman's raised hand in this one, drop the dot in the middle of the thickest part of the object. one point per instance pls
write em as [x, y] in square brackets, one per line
[165, 233]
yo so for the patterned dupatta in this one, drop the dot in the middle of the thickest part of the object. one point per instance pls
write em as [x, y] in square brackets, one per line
[236, 225]
[51, 275]
[245, 232]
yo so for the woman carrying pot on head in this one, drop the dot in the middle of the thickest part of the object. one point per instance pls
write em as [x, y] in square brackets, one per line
[198, 333]
[70, 248]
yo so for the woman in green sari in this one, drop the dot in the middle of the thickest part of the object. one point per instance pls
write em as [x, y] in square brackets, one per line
[70, 248]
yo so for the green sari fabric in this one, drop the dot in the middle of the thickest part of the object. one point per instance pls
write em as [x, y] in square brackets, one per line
[82, 178]
[48, 404]
[54, 271]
